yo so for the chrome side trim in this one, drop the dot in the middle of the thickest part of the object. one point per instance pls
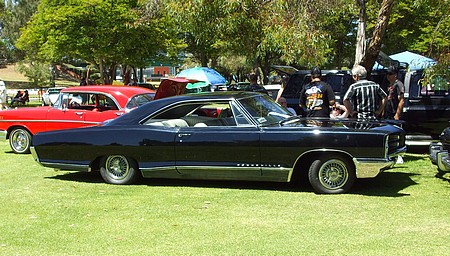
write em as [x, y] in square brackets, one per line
[218, 168]
[159, 168]
[67, 167]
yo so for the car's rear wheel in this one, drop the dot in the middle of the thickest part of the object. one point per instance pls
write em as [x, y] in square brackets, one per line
[119, 169]
[331, 174]
[20, 141]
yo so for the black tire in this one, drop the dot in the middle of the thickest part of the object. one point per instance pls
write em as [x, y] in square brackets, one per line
[119, 169]
[331, 174]
[20, 141]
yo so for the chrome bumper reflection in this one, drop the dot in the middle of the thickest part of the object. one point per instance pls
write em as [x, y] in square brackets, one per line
[3, 135]
[371, 167]
[439, 156]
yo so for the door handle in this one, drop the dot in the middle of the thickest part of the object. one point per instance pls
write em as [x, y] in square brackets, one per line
[180, 135]
[79, 113]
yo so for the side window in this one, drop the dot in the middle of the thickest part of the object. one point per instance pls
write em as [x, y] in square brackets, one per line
[239, 116]
[139, 100]
[74, 101]
[217, 114]
[105, 103]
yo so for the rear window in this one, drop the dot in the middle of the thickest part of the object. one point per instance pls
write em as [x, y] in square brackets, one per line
[140, 100]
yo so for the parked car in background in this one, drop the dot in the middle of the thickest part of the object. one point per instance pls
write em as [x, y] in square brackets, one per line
[439, 151]
[51, 95]
[225, 136]
[75, 107]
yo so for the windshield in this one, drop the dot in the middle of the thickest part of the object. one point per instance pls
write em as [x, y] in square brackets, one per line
[264, 110]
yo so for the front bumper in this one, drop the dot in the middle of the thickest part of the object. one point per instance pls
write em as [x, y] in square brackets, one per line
[439, 156]
[371, 167]
[3, 135]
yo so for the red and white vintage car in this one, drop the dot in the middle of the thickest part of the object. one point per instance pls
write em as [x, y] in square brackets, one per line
[76, 107]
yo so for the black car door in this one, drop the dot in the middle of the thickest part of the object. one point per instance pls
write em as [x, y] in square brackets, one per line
[218, 152]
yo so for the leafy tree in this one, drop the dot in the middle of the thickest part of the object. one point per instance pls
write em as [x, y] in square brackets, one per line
[13, 16]
[419, 26]
[104, 33]
[39, 74]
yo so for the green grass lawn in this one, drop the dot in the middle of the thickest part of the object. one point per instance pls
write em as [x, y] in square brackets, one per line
[404, 211]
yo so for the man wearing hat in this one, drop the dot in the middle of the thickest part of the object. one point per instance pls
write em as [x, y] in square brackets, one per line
[317, 96]
[395, 91]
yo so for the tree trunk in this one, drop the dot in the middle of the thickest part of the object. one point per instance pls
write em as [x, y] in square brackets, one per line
[102, 72]
[380, 28]
[361, 34]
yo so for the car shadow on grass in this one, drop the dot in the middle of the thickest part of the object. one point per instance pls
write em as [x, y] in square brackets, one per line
[388, 184]
[445, 176]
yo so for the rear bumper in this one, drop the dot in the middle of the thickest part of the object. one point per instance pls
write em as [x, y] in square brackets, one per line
[60, 166]
[439, 156]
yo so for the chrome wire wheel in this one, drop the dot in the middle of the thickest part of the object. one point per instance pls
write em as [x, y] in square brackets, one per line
[333, 174]
[117, 167]
[20, 141]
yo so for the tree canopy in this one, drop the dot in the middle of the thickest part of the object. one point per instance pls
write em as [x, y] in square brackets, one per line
[227, 35]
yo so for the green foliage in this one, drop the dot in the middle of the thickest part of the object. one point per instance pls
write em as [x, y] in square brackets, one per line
[439, 75]
[103, 33]
[13, 16]
[38, 73]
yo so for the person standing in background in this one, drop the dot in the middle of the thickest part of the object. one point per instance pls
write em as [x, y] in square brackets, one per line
[317, 97]
[3, 96]
[364, 99]
[396, 92]
[282, 101]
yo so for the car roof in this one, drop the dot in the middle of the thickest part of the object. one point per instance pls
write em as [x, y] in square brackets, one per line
[156, 105]
[128, 91]
[122, 94]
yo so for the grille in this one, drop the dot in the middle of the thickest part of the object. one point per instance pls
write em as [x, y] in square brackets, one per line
[395, 142]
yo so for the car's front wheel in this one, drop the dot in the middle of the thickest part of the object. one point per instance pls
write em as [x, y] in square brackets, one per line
[20, 141]
[119, 169]
[331, 174]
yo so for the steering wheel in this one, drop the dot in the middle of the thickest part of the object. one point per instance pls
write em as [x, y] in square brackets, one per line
[74, 104]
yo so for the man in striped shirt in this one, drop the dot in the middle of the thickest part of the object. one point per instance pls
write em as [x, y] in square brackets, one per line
[364, 96]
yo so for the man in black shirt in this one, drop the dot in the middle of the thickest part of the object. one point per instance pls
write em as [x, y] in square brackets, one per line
[317, 96]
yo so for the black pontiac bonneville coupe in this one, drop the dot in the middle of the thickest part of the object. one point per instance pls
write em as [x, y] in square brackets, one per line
[224, 136]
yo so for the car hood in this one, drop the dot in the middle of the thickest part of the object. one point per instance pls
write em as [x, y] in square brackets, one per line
[347, 124]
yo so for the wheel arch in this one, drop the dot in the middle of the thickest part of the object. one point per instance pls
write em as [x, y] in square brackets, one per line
[17, 126]
[304, 161]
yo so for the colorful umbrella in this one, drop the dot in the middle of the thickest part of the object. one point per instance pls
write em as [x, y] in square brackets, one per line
[204, 74]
